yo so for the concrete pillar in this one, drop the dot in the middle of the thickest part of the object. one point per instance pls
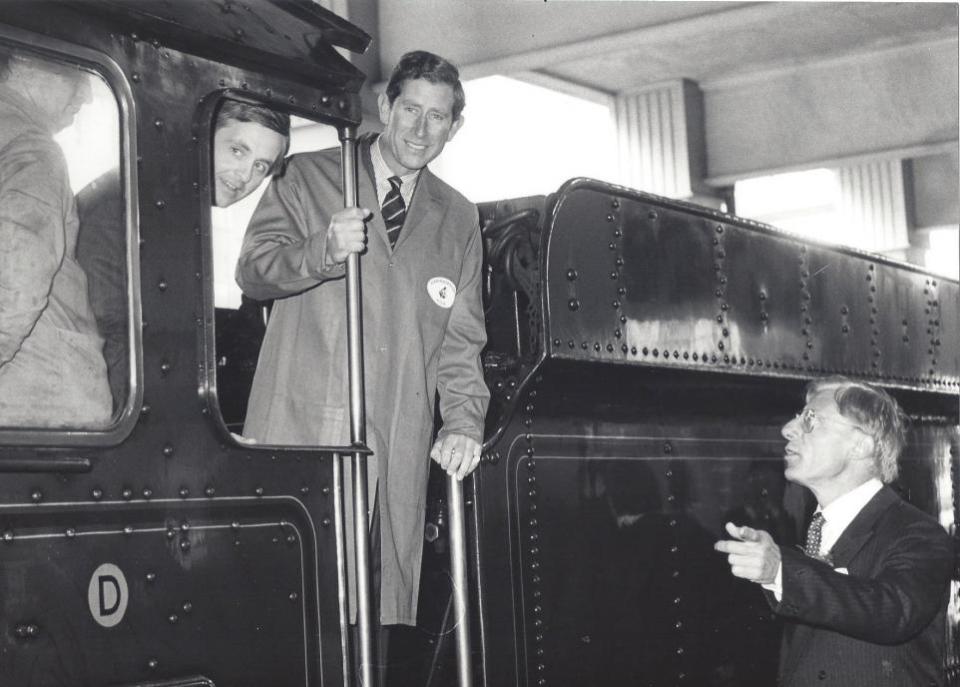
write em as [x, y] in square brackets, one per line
[660, 140]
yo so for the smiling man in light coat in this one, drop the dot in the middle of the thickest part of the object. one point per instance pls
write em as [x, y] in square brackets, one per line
[423, 317]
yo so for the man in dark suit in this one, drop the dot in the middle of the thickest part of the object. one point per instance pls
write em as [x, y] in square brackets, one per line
[865, 601]
[423, 317]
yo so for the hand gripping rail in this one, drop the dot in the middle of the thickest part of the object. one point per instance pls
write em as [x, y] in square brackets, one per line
[358, 420]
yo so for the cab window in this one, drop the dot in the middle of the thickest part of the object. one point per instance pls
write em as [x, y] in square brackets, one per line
[244, 136]
[65, 356]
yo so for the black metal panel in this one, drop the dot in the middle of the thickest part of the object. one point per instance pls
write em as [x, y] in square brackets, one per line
[748, 281]
[633, 278]
[291, 37]
[595, 529]
[942, 324]
[598, 506]
[623, 586]
[304, 74]
[221, 588]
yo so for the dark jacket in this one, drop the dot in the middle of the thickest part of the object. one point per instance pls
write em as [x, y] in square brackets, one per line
[881, 623]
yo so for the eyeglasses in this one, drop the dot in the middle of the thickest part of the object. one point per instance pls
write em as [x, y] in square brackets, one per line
[809, 420]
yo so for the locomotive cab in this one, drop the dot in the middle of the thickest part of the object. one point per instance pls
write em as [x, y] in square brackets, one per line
[143, 543]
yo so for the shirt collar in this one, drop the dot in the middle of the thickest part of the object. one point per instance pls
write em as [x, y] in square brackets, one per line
[382, 172]
[842, 510]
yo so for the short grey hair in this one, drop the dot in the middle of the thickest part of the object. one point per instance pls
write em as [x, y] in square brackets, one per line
[420, 64]
[876, 413]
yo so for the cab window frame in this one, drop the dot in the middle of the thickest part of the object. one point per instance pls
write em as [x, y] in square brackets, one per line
[205, 121]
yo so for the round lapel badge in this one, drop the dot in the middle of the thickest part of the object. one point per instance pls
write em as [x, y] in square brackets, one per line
[442, 291]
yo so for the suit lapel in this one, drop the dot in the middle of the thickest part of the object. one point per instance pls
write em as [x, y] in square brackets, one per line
[861, 528]
[426, 208]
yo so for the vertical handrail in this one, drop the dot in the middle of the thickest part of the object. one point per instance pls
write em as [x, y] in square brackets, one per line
[458, 566]
[343, 602]
[358, 422]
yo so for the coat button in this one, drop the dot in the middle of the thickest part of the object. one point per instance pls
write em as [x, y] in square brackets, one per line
[822, 675]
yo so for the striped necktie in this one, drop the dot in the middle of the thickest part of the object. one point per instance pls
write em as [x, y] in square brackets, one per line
[814, 534]
[394, 210]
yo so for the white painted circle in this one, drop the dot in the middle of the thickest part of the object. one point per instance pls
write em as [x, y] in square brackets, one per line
[107, 595]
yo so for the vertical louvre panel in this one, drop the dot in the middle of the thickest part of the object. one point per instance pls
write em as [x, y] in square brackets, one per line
[675, 150]
[654, 149]
[873, 204]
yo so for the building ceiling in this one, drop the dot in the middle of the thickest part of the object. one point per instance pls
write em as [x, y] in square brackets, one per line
[758, 39]
[618, 46]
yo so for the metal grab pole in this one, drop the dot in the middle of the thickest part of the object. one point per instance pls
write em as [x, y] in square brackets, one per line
[343, 601]
[358, 421]
[458, 566]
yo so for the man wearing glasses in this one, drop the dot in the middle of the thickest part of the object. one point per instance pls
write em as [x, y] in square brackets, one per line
[865, 600]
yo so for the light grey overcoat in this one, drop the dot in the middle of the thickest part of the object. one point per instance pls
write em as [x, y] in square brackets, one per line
[52, 371]
[423, 333]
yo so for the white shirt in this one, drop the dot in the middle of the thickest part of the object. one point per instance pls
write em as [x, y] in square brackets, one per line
[841, 512]
[836, 517]
[382, 172]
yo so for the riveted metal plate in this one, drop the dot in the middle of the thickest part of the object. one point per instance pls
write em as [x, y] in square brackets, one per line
[633, 278]
[216, 589]
[617, 549]
[598, 513]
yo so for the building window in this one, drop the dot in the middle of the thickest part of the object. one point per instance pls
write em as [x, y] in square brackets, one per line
[863, 206]
[941, 251]
[520, 139]
[804, 203]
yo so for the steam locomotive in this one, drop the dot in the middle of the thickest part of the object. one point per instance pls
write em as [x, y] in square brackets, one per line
[643, 354]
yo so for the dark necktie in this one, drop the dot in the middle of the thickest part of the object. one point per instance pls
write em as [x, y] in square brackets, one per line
[394, 210]
[814, 534]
